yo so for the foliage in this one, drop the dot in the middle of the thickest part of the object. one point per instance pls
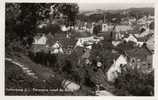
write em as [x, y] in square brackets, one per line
[126, 46]
[140, 12]
[70, 10]
[22, 20]
[114, 18]
[134, 82]
[15, 78]
[151, 26]
[95, 17]
[83, 18]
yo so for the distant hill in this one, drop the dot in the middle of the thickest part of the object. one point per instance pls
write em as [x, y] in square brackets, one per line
[88, 13]
[100, 11]
[145, 10]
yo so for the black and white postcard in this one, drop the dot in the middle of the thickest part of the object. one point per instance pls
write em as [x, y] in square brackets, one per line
[79, 48]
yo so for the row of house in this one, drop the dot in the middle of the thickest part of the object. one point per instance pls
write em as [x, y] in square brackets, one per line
[104, 27]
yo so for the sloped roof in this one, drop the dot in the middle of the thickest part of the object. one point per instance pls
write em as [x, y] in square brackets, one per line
[37, 37]
[119, 28]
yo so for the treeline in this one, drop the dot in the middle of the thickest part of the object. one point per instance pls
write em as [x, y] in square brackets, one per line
[116, 14]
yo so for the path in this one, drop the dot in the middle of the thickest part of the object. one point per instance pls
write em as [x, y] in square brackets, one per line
[29, 67]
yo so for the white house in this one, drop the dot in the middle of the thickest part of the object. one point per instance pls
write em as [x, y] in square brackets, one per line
[40, 40]
[57, 48]
[92, 27]
[104, 27]
[64, 28]
[116, 43]
[143, 34]
[88, 41]
[131, 38]
[131, 20]
[115, 68]
[150, 43]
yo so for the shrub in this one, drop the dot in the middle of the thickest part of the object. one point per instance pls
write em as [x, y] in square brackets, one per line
[134, 82]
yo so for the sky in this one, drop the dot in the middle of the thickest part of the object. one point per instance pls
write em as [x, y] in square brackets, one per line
[105, 6]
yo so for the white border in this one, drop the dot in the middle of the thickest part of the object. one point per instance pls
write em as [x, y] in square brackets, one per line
[2, 50]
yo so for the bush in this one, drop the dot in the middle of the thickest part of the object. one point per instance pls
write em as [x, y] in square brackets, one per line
[134, 82]
[126, 46]
[151, 26]
[15, 78]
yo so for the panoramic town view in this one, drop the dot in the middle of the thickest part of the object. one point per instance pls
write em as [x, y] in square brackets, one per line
[74, 49]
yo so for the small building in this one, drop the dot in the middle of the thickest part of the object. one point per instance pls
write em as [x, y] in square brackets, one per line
[150, 44]
[104, 27]
[57, 48]
[41, 40]
[39, 43]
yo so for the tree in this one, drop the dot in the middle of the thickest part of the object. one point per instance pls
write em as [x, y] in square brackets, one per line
[95, 17]
[114, 18]
[21, 18]
[136, 14]
[11, 15]
[57, 10]
[70, 10]
[151, 26]
[140, 84]
[82, 17]
[31, 13]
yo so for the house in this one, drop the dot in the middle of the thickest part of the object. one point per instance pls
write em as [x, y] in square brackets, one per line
[40, 40]
[144, 32]
[118, 29]
[116, 43]
[115, 68]
[150, 43]
[87, 41]
[150, 17]
[131, 20]
[64, 28]
[39, 43]
[104, 27]
[85, 26]
[57, 48]
[92, 27]
[46, 44]
[131, 38]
